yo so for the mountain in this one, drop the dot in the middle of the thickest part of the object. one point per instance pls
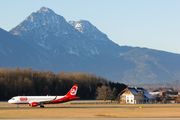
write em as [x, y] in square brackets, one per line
[152, 66]
[172, 84]
[51, 32]
[70, 49]
[102, 42]
[17, 53]
[48, 42]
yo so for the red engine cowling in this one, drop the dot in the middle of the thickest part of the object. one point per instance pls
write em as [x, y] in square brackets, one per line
[33, 104]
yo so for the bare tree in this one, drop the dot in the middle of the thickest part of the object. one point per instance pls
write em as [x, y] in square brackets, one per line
[104, 93]
[139, 97]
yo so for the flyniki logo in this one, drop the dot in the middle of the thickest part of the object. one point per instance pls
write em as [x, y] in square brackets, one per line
[23, 99]
[74, 90]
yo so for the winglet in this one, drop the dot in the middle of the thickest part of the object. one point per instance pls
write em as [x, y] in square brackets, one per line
[55, 98]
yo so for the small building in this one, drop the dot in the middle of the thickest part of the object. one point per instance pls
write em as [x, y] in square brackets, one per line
[165, 96]
[155, 93]
[135, 95]
[159, 92]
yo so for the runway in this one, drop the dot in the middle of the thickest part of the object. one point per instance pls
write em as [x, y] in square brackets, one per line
[97, 112]
[80, 107]
[104, 119]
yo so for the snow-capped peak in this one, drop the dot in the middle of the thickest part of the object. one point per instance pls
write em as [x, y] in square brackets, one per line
[44, 9]
[86, 28]
[47, 30]
[82, 25]
[40, 19]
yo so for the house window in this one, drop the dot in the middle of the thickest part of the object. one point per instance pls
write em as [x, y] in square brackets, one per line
[127, 101]
[123, 97]
[131, 100]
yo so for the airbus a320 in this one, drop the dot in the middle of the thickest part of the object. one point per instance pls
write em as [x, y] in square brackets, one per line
[34, 101]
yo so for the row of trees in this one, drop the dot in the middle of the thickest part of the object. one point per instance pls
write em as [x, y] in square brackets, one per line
[105, 93]
[14, 82]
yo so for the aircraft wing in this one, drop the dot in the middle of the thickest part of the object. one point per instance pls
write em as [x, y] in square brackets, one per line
[43, 101]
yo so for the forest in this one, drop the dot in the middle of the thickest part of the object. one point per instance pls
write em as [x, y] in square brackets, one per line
[27, 82]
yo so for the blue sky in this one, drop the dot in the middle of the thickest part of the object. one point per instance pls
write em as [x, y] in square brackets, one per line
[139, 23]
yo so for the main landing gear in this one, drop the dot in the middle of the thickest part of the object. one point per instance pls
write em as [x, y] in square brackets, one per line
[42, 106]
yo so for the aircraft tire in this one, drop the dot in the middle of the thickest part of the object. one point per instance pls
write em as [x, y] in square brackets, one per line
[42, 106]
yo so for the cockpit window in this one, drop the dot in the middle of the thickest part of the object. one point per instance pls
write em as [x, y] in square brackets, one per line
[13, 99]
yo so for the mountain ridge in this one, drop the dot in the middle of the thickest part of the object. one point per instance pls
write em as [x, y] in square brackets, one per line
[172, 84]
[78, 46]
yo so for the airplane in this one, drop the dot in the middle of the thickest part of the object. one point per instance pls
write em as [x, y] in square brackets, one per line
[34, 101]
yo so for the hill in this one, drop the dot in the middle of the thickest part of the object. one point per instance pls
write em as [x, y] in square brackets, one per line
[172, 84]
[46, 41]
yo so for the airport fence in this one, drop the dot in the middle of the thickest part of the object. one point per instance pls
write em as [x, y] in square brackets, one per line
[73, 103]
[70, 103]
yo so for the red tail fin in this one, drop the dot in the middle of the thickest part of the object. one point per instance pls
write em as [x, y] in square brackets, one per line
[72, 92]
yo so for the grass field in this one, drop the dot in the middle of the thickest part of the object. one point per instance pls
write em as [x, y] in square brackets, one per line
[80, 110]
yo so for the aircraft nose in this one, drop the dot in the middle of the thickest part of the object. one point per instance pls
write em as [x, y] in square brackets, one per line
[9, 101]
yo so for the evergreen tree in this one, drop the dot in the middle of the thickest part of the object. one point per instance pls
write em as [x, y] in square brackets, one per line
[114, 94]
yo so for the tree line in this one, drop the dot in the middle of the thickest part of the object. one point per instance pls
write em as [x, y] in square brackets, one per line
[14, 82]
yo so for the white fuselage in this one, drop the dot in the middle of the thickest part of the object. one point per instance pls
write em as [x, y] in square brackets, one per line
[34, 101]
[29, 99]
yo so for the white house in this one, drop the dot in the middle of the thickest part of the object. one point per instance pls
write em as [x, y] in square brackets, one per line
[134, 95]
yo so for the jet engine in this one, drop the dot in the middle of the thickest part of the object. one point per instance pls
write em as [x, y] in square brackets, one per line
[33, 104]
